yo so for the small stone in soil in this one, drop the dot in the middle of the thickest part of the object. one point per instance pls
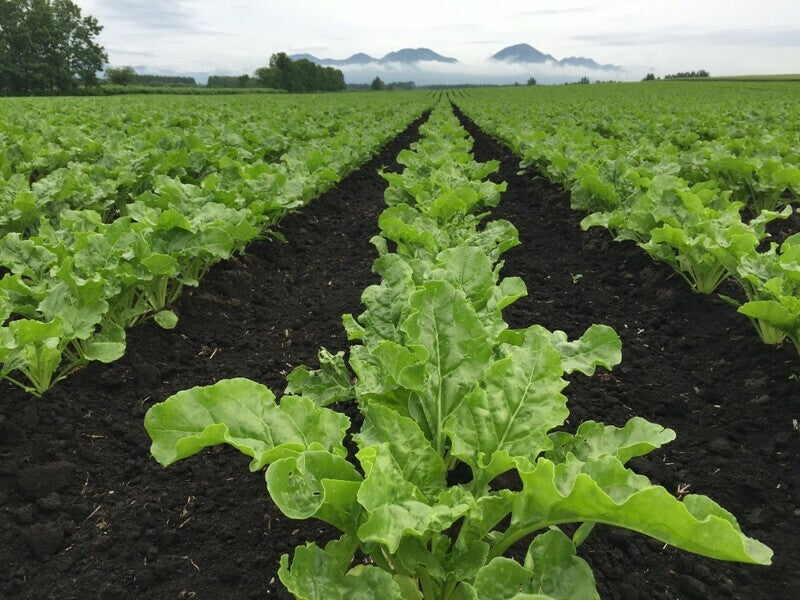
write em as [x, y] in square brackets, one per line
[24, 515]
[45, 540]
[50, 502]
[37, 482]
[693, 588]
[144, 579]
[721, 447]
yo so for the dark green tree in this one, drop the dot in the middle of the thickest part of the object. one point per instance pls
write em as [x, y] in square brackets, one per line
[299, 75]
[120, 75]
[377, 84]
[532, 81]
[46, 46]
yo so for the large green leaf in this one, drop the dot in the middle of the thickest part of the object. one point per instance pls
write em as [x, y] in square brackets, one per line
[444, 323]
[243, 414]
[602, 490]
[318, 484]
[508, 417]
[637, 438]
[410, 449]
[107, 345]
[396, 507]
[558, 572]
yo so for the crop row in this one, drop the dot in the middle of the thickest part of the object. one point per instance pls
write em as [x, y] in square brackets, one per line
[693, 177]
[461, 454]
[107, 211]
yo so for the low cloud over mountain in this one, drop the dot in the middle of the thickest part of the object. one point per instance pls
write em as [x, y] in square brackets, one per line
[425, 67]
[514, 63]
[527, 54]
[404, 56]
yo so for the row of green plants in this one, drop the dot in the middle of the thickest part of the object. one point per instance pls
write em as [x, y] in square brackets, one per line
[108, 211]
[693, 179]
[462, 459]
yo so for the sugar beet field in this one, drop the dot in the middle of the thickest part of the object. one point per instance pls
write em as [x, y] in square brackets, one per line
[501, 344]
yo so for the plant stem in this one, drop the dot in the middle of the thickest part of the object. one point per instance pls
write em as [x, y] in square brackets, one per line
[425, 581]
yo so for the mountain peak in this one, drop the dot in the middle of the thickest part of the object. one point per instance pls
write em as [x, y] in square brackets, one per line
[588, 63]
[359, 58]
[522, 53]
[409, 55]
[404, 55]
[525, 53]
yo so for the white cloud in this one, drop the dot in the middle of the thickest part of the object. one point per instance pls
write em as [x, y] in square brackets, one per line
[477, 71]
[723, 36]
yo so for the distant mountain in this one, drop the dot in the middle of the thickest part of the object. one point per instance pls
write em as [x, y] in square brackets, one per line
[412, 55]
[357, 59]
[404, 56]
[525, 53]
[588, 63]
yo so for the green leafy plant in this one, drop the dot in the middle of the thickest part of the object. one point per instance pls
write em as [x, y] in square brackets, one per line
[456, 407]
[692, 178]
[101, 233]
[771, 281]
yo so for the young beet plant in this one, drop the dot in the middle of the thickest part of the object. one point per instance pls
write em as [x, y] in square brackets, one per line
[446, 393]
[455, 406]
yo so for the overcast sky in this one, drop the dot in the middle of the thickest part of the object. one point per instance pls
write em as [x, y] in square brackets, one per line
[722, 36]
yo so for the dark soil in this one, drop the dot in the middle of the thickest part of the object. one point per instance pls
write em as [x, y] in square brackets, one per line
[85, 512]
[780, 229]
[691, 363]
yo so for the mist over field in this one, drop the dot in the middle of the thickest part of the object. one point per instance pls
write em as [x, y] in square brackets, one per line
[480, 71]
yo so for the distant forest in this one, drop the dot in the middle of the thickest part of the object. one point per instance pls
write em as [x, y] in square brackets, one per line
[282, 73]
[49, 47]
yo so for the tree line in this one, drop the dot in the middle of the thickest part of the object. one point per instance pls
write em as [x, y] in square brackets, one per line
[702, 73]
[129, 76]
[688, 75]
[283, 73]
[379, 85]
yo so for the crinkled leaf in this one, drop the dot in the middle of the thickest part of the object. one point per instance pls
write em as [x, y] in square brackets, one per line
[326, 385]
[604, 491]
[598, 346]
[243, 414]
[316, 575]
[317, 484]
[411, 450]
[398, 508]
[509, 415]
[637, 438]
[445, 324]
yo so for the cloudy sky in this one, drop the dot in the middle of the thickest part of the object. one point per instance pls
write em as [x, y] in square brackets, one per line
[722, 36]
